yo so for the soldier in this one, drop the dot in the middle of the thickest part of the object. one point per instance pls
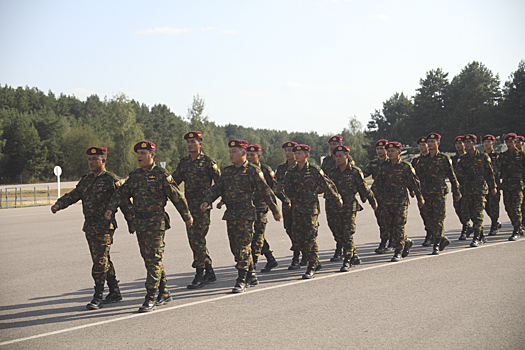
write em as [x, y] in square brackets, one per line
[432, 170]
[95, 191]
[197, 171]
[423, 149]
[348, 180]
[301, 184]
[259, 242]
[372, 168]
[520, 140]
[331, 210]
[492, 202]
[512, 173]
[466, 229]
[151, 186]
[475, 170]
[392, 182]
[237, 186]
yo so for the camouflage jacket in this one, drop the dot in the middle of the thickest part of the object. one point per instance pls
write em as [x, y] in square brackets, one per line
[512, 170]
[300, 187]
[455, 159]
[279, 176]
[95, 193]
[150, 190]
[348, 182]
[393, 180]
[372, 168]
[197, 176]
[269, 177]
[236, 187]
[327, 165]
[475, 173]
[432, 172]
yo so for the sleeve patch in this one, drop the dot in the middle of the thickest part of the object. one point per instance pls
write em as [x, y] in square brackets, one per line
[215, 167]
[261, 175]
[321, 172]
[170, 179]
[272, 173]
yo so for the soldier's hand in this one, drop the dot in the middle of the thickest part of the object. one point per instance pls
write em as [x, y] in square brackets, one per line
[277, 216]
[374, 207]
[494, 191]
[55, 208]
[189, 223]
[108, 214]
[458, 197]
[412, 194]
[421, 203]
[340, 203]
[220, 204]
[131, 228]
[204, 206]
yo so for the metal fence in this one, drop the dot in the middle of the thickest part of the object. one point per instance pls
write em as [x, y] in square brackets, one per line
[24, 196]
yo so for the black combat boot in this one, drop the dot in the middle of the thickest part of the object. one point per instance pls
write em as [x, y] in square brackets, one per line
[295, 261]
[515, 234]
[149, 302]
[97, 302]
[463, 234]
[312, 269]
[435, 249]
[251, 279]
[428, 239]
[406, 250]
[198, 281]
[443, 243]
[347, 264]
[390, 246]
[304, 261]
[470, 230]
[522, 229]
[382, 246]
[338, 254]
[494, 228]
[240, 283]
[356, 260]
[209, 277]
[114, 291]
[476, 240]
[270, 262]
[164, 294]
[397, 256]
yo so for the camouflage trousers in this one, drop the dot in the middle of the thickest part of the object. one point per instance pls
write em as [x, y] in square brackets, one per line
[197, 238]
[305, 228]
[240, 234]
[99, 245]
[434, 213]
[462, 215]
[513, 201]
[288, 226]
[332, 220]
[394, 218]
[151, 245]
[523, 208]
[383, 232]
[492, 206]
[343, 227]
[473, 205]
[259, 227]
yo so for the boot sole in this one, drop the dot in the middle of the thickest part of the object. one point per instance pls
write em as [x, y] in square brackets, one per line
[167, 300]
[93, 307]
[141, 310]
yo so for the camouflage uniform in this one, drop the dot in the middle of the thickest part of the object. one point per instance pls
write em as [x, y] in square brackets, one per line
[462, 215]
[372, 168]
[492, 204]
[391, 184]
[422, 213]
[301, 187]
[237, 186]
[197, 176]
[95, 193]
[150, 190]
[477, 177]
[287, 213]
[512, 174]
[348, 182]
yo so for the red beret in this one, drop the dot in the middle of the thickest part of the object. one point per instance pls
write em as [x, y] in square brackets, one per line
[421, 139]
[238, 143]
[510, 136]
[381, 142]
[521, 138]
[254, 148]
[434, 136]
[471, 137]
[337, 138]
[488, 137]
[341, 148]
[302, 147]
[144, 145]
[192, 135]
[394, 144]
[97, 150]
[459, 138]
[289, 144]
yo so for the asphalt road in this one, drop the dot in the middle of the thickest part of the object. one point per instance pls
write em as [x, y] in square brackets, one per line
[465, 298]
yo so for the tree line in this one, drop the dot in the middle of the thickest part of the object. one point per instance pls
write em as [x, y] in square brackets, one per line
[39, 131]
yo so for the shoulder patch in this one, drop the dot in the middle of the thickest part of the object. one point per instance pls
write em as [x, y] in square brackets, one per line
[321, 172]
[169, 178]
[215, 167]
[272, 173]
[261, 175]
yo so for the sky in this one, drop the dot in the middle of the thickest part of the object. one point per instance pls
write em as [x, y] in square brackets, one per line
[295, 65]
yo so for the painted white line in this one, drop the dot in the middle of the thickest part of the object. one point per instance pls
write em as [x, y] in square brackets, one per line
[317, 278]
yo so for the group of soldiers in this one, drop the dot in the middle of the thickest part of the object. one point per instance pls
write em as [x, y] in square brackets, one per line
[250, 189]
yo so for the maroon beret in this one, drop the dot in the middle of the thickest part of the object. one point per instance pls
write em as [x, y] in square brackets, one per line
[336, 138]
[488, 137]
[238, 143]
[302, 147]
[434, 136]
[471, 137]
[521, 138]
[459, 138]
[382, 142]
[341, 148]
[421, 139]
[97, 150]
[193, 135]
[144, 145]
[289, 144]
[510, 136]
[394, 144]
[254, 148]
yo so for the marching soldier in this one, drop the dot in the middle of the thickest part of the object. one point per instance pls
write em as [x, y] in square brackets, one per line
[236, 186]
[466, 229]
[301, 184]
[475, 170]
[95, 191]
[348, 180]
[492, 202]
[198, 171]
[423, 149]
[392, 182]
[520, 140]
[151, 186]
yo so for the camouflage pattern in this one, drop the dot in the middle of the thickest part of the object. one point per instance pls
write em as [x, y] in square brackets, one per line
[237, 186]
[372, 168]
[348, 182]
[414, 162]
[476, 176]
[197, 175]
[95, 193]
[432, 172]
[512, 174]
[458, 208]
[301, 188]
[150, 190]
[492, 201]
[287, 213]
[391, 184]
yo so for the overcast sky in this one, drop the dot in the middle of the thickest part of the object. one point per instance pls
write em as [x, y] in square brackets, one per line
[296, 65]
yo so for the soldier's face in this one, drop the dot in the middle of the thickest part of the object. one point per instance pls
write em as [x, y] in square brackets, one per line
[288, 153]
[193, 145]
[145, 158]
[423, 147]
[469, 145]
[253, 157]
[96, 163]
[301, 156]
[460, 146]
[433, 144]
[519, 144]
[510, 145]
[333, 145]
[393, 154]
[237, 155]
[488, 144]
[381, 151]
[341, 158]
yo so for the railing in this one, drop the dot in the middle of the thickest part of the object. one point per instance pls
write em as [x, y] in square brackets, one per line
[23, 197]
